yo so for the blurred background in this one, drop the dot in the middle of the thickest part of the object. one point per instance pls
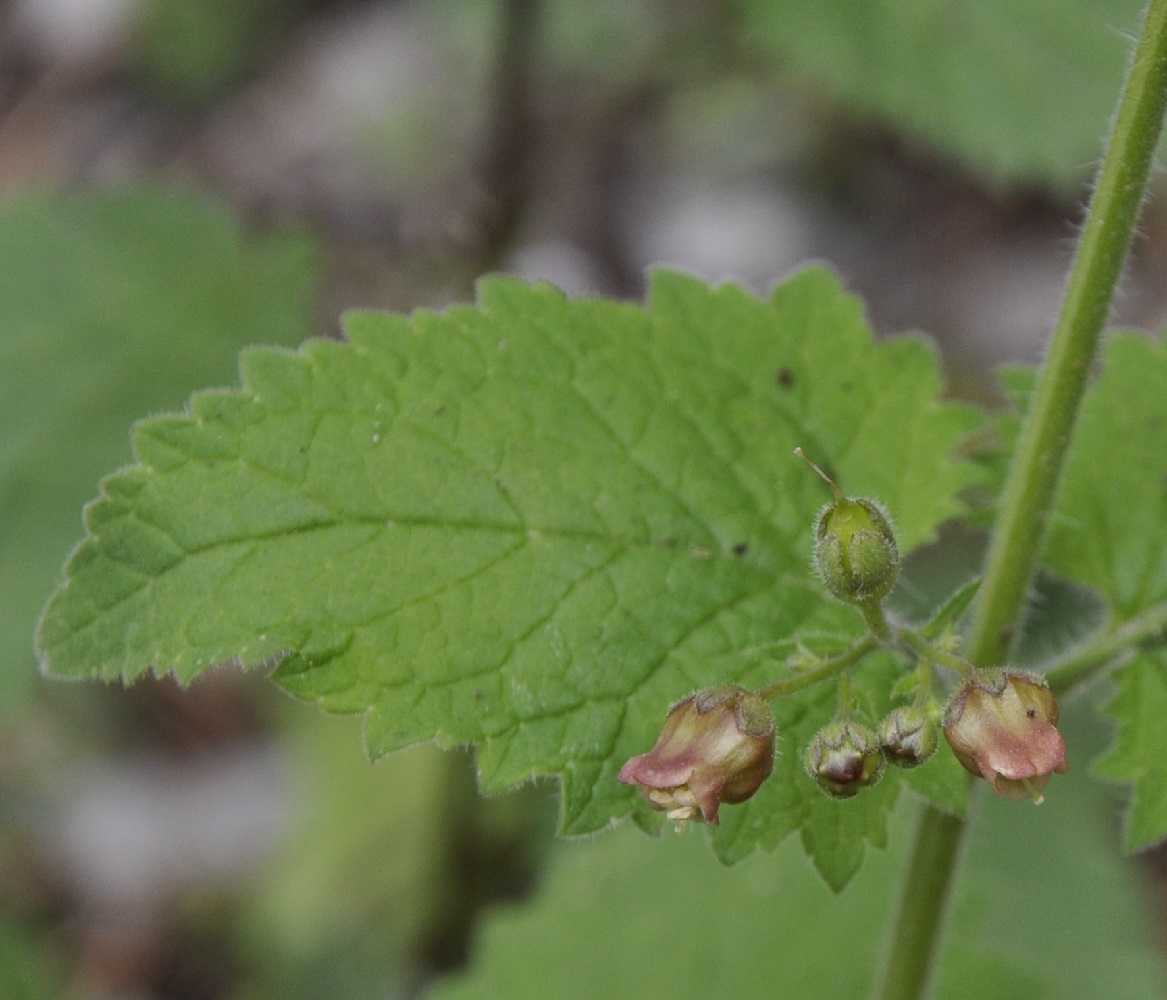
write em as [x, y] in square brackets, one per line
[179, 179]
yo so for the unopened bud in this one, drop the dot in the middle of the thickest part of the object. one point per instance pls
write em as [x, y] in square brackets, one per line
[855, 551]
[855, 548]
[843, 758]
[716, 746]
[908, 736]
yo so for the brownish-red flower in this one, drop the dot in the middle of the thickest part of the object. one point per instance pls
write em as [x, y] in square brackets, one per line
[716, 746]
[1001, 724]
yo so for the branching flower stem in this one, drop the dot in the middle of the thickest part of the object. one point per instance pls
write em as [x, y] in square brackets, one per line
[1029, 490]
[930, 653]
[882, 633]
[826, 669]
[1107, 650]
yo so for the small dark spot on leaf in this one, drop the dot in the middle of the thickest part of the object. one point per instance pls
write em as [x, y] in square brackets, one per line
[1031, 713]
[785, 378]
[848, 386]
[741, 548]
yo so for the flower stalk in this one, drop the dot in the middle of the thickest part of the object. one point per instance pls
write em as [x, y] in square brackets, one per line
[1108, 650]
[824, 671]
[1037, 463]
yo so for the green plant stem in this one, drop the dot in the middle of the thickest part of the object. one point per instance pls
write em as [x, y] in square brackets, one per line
[923, 682]
[1037, 463]
[876, 620]
[1046, 431]
[843, 697]
[1103, 652]
[827, 669]
[917, 927]
[926, 651]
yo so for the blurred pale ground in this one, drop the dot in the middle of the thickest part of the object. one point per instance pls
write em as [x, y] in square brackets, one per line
[225, 843]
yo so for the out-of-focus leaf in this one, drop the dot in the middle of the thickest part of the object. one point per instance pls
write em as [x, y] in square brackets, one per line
[112, 305]
[28, 967]
[1020, 89]
[1109, 531]
[1139, 753]
[383, 866]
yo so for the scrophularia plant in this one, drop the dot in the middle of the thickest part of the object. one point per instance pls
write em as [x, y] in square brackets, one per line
[717, 745]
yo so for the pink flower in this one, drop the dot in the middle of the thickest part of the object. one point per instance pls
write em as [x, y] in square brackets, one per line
[716, 746]
[1001, 725]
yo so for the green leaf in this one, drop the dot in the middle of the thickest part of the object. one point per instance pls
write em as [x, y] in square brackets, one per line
[1110, 531]
[112, 305]
[1139, 753]
[1022, 89]
[530, 524]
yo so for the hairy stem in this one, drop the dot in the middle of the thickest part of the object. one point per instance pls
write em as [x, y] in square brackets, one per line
[916, 933]
[876, 620]
[1046, 431]
[1108, 649]
[1037, 463]
[827, 669]
[926, 651]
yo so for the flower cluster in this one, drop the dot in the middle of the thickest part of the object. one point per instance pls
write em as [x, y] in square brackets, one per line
[717, 745]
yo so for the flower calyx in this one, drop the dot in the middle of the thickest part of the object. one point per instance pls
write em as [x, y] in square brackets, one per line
[716, 746]
[1002, 725]
[908, 736]
[844, 757]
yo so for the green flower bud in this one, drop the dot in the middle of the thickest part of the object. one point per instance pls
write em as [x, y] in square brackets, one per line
[716, 746]
[908, 736]
[855, 551]
[855, 548]
[843, 758]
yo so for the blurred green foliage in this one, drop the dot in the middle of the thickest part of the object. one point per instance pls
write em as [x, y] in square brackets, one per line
[379, 880]
[1019, 90]
[29, 968]
[193, 53]
[113, 305]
